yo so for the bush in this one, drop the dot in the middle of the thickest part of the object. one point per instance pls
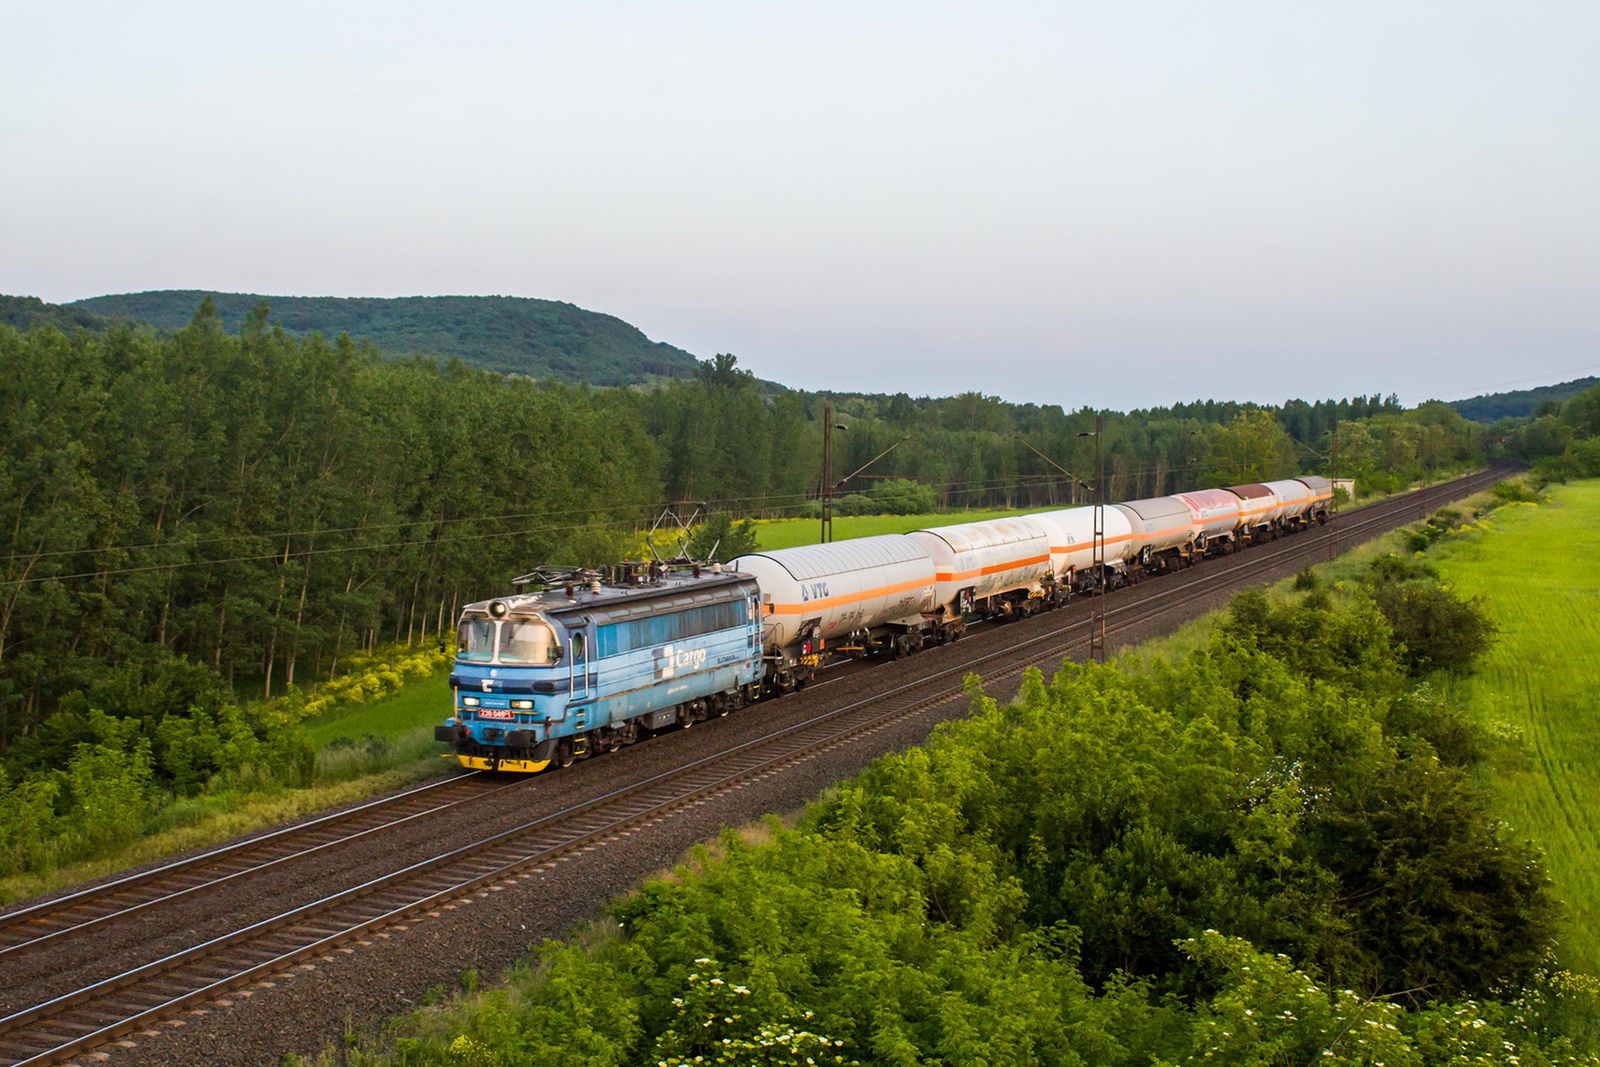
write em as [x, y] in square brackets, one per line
[1389, 569]
[855, 504]
[899, 496]
[1437, 630]
[1514, 491]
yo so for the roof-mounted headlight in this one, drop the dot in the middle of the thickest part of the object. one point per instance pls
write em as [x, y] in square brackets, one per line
[499, 608]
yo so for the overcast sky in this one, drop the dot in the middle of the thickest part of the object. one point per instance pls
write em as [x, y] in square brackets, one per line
[1117, 204]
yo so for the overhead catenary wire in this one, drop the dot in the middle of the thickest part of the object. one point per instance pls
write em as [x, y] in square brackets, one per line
[958, 488]
[797, 500]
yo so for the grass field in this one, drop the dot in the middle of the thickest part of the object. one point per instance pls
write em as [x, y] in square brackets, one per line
[790, 533]
[420, 704]
[1538, 571]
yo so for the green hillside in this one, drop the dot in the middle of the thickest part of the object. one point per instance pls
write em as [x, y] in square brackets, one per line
[1519, 403]
[514, 335]
[29, 312]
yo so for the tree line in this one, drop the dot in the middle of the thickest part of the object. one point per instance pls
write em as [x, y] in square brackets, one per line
[262, 505]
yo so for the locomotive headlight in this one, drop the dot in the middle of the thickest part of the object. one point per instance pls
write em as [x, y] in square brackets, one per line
[470, 702]
[522, 705]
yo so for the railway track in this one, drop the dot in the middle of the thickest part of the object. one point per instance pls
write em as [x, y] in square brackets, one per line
[136, 999]
[99, 906]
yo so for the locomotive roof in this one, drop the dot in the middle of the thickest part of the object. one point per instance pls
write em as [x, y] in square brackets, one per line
[619, 601]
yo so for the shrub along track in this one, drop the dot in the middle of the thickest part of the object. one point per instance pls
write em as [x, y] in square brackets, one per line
[134, 999]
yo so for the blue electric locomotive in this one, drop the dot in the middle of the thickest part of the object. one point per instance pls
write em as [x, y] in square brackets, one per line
[580, 662]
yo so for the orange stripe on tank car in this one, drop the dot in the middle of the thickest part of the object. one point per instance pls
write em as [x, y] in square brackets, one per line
[808, 606]
[1063, 550]
[958, 576]
[1159, 533]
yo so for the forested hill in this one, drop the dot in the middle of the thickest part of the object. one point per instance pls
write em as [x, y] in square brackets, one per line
[512, 335]
[29, 312]
[1520, 403]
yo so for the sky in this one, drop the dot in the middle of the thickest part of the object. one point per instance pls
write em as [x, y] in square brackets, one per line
[1116, 205]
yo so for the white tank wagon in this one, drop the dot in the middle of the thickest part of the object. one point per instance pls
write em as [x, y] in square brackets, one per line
[1321, 496]
[1258, 509]
[999, 567]
[875, 589]
[1217, 516]
[1294, 501]
[1071, 533]
[1163, 531]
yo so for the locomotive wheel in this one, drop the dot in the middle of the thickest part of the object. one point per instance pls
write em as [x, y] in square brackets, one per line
[564, 756]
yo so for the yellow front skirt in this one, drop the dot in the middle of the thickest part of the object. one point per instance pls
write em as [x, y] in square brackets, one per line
[515, 766]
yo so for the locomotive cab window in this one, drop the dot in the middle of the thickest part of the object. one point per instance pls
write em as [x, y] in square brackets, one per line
[475, 640]
[529, 641]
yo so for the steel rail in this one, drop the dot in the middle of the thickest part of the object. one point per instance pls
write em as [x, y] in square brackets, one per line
[688, 783]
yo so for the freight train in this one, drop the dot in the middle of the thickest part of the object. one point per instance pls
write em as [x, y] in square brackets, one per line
[578, 662]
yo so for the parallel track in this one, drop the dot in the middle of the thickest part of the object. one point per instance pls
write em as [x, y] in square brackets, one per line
[75, 914]
[136, 999]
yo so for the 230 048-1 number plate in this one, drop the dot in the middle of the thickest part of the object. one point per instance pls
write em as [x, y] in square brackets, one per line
[496, 713]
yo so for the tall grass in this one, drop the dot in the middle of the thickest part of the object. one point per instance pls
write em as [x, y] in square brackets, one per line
[1538, 571]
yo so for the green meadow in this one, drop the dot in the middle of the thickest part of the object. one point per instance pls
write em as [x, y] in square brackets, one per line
[1538, 572]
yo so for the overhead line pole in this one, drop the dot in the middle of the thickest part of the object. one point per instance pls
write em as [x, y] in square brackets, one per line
[827, 474]
[1097, 617]
[1097, 633]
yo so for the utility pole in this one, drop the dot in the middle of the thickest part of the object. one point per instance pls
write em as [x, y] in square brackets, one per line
[1097, 616]
[1097, 632]
[1333, 476]
[827, 474]
[826, 493]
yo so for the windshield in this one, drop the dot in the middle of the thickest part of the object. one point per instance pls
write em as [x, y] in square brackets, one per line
[475, 640]
[528, 641]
